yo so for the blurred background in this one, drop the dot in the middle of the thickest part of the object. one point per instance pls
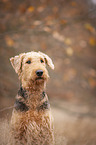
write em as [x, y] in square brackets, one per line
[66, 31]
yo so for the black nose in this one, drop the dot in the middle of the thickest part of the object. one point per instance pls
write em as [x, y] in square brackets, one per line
[39, 73]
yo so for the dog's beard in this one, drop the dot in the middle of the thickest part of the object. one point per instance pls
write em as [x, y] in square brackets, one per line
[36, 84]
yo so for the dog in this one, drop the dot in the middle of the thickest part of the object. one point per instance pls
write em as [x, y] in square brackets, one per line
[32, 121]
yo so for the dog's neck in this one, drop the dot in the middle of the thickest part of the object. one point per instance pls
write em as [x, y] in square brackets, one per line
[34, 87]
[37, 90]
[25, 93]
[26, 100]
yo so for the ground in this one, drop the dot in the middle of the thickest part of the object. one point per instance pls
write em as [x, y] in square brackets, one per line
[66, 31]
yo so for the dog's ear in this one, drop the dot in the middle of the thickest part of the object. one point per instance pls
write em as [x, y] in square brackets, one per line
[48, 60]
[16, 62]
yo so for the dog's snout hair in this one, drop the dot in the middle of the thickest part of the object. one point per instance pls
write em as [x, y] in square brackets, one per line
[31, 121]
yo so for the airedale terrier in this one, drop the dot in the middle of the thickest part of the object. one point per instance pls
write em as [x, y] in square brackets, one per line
[32, 122]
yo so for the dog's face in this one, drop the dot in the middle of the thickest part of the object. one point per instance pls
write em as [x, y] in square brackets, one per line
[31, 68]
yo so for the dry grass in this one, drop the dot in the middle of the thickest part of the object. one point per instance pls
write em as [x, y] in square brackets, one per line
[80, 132]
[4, 132]
[69, 130]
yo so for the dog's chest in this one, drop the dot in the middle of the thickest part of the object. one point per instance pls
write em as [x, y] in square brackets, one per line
[33, 124]
[32, 118]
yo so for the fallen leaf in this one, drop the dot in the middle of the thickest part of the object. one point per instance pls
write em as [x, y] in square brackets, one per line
[92, 82]
[49, 18]
[9, 41]
[69, 51]
[68, 41]
[73, 3]
[92, 41]
[49, 23]
[36, 23]
[47, 29]
[89, 27]
[40, 8]
[63, 22]
[30, 9]
[22, 8]
[58, 36]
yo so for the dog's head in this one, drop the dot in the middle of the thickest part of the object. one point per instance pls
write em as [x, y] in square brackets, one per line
[31, 69]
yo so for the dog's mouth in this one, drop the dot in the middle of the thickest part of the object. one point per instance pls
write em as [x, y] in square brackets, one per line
[39, 78]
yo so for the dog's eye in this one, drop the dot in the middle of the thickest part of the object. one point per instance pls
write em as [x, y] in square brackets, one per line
[41, 60]
[28, 61]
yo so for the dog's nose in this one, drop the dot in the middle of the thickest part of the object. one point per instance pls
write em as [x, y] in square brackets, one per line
[39, 73]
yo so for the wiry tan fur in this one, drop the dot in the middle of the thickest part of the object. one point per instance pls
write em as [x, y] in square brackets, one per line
[32, 127]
